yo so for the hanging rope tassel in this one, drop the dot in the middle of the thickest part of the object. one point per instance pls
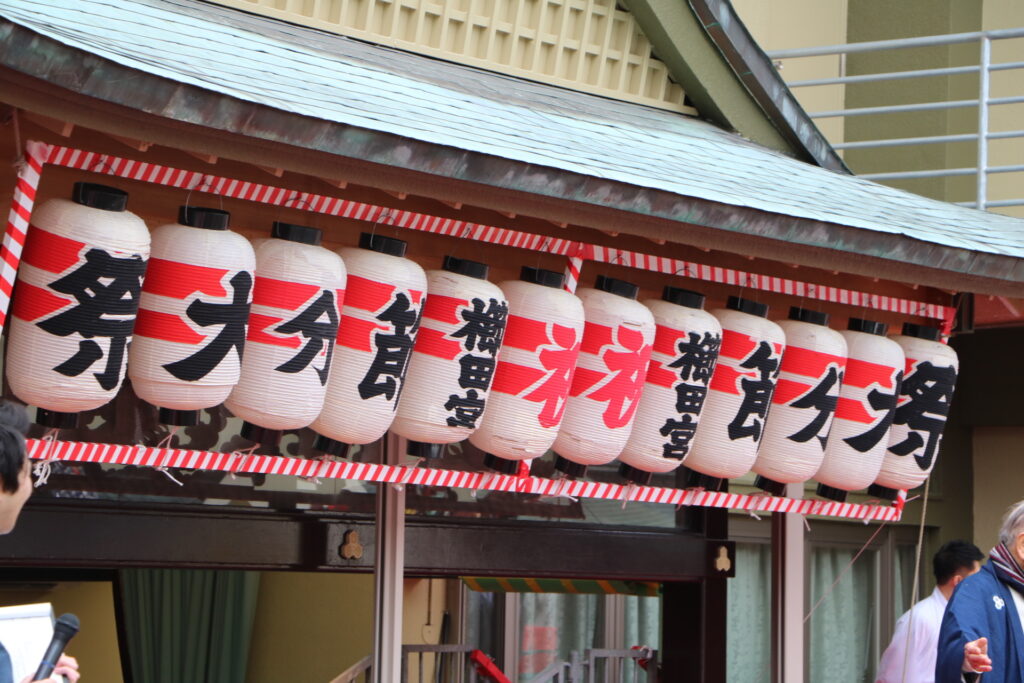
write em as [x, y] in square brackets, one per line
[917, 577]
[42, 469]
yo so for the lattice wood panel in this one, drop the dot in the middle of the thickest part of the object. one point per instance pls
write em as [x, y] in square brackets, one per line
[588, 45]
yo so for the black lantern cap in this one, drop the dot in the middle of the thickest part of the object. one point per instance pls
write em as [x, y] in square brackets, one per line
[571, 469]
[682, 297]
[748, 306]
[55, 419]
[617, 287]
[502, 465]
[98, 196]
[776, 488]
[302, 234]
[922, 332]
[178, 418]
[465, 267]
[883, 492]
[260, 435]
[806, 315]
[381, 244]
[867, 326]
[698, 480]
[330, 446]
[637, 476]
[204, 217]
[832, 493]
[422, 449]
[539, 276]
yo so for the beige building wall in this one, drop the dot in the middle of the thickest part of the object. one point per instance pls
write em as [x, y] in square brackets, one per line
[311, 627]
[998, 479]
[95, 647]
[1001, 14]
[785, 24]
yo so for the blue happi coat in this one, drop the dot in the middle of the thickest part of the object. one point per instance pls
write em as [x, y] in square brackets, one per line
[981, 606]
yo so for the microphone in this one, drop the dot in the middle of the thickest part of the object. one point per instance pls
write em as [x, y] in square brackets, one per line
[63, 631]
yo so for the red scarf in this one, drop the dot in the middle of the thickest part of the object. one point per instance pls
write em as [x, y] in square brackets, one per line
[1007, 568]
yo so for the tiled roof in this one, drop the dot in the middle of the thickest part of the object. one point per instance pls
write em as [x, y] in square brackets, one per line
[340, 80]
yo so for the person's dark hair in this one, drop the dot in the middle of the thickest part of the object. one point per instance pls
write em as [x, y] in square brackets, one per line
[953, 557]
[13, 426]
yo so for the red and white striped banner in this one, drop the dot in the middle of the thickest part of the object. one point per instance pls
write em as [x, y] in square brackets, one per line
[29, 170]
[240, 463]
[411, 220]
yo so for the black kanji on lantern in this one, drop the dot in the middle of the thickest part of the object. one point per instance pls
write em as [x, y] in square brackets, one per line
[106, 289]
[483, 331]
[318, 323]
[928, 390]
[757, 393]
[696, 362]
[680, 433]
[878, 400]
[697, 356]
[393, 349]
[484, 326]
[476, 371]
[824, 402]
[231, 316]
[467, 409]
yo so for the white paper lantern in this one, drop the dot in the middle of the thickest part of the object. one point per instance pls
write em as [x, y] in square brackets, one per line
[534, 373]
[454, 358]
[804, 402]
[929, 379]
[375, 339]
[867, 400]
[685, 351]
[740, 392]
[192, 322]
[609, 377]
[75, 303]
[293, 323]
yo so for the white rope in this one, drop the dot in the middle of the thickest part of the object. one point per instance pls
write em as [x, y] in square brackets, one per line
[917, 574]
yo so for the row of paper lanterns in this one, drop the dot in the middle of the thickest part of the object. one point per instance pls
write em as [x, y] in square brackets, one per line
[289, 334]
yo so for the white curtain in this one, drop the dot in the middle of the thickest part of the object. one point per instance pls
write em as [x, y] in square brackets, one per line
[903, 579]
[643, 621]
[842, 631]
[748, 636]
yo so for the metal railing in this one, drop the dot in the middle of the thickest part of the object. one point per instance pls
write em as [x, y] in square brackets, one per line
[603, 666]
[363, 668]
[449, 663]
[984, 103]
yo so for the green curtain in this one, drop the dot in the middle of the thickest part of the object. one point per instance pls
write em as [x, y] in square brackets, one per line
[188, 625]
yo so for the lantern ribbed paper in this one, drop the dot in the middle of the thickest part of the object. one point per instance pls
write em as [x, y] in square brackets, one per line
[187, 351]
[609, 378]
[378, 329]
[929, 378]
[867, 400]
[740, 392]
[76, 302]
[453, 361]
[685, 351]
[534, 373]
[299, 289]
[804, 402]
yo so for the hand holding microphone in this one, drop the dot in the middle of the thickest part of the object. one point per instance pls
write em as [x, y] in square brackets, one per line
[54, 661]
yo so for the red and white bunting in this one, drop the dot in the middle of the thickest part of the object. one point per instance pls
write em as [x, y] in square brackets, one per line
[145, 456]
[411, 220]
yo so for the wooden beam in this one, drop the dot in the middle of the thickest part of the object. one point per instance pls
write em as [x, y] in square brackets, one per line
[276, 172]
[508, 214]
[397, 195]
[208, 158]
[137, 145]
[61, 128]
[454, 205]
[333, 182]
